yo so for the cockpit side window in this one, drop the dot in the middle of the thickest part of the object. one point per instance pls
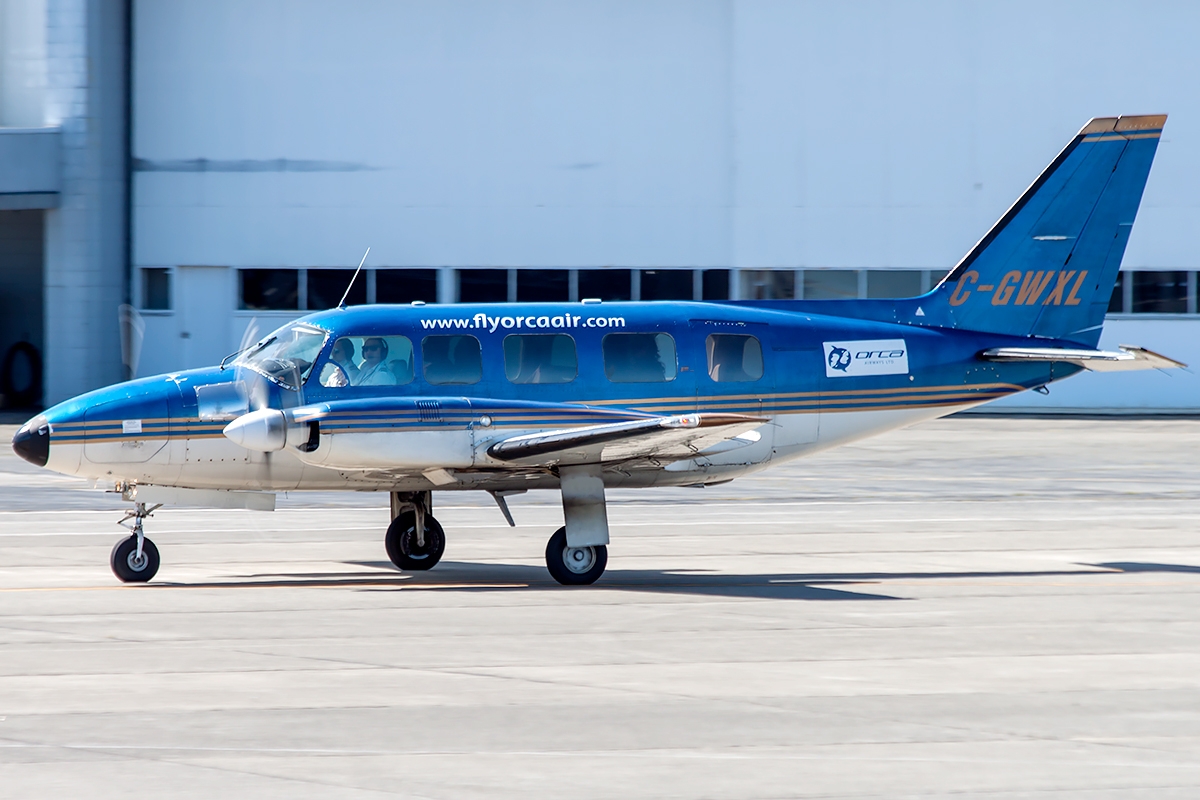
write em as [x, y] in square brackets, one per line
[369, 361]
[639, 357]
[734, 357]
[451, 359]
[540, 358]
[287, 355]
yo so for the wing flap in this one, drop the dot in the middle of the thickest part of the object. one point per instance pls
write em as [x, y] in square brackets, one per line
[1128, 357]
[667, 438]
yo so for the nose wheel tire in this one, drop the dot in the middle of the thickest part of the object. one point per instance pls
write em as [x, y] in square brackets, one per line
[574, 566]
[128, 567]
[403, 548]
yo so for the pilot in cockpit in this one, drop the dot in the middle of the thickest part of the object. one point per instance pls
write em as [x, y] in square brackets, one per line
[374, 370]
[343, 355]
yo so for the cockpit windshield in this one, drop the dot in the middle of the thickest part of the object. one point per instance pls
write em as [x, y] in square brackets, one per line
[287, 355]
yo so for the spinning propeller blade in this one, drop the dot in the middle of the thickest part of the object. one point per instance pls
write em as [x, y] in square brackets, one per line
[133, 331]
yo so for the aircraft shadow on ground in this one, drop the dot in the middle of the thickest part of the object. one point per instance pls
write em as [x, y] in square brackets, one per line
[1137, 566]
[454, 576]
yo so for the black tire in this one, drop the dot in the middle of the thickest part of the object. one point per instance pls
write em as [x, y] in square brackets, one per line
[574, 566]
[126, 568]
[401, 542]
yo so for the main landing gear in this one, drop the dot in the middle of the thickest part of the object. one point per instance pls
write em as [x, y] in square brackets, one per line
[574, 566]
[415, 540]
[576, 554]
[135, 558]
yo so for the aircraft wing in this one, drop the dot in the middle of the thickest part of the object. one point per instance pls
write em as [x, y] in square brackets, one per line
[667, 438]
[1128, 357]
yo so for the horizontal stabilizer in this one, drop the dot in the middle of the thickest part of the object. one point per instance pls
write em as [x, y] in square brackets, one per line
[669, 438]
[1128, 357]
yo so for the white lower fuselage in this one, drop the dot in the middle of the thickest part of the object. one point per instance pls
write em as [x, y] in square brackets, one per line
[445, 460]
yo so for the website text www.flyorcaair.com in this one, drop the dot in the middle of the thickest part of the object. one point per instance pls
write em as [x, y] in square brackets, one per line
[483, 322]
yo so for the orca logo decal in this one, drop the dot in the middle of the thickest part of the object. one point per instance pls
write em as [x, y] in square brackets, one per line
[839, 358]
[866, 357]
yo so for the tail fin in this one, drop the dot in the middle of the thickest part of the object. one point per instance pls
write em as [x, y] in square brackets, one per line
[1048, 267]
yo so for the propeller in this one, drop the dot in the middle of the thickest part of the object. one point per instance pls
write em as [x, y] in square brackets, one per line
[133, 332]
[253, 384]
[263, 428]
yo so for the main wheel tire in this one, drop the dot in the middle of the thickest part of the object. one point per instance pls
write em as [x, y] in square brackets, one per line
[402, 547]
[574, 566]
[125, 564]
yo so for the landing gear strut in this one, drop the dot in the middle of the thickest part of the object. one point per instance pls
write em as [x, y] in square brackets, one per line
[135, 559]
[415, 540]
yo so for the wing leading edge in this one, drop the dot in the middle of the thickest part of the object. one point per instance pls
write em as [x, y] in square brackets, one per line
[667, 438]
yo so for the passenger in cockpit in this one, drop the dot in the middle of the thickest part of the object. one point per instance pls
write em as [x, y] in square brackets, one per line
[374, 371]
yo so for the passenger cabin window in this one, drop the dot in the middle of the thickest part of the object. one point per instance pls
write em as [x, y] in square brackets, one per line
[734, 357]
[369, 361]
[639, 357]
[540, 358]
[451, 359]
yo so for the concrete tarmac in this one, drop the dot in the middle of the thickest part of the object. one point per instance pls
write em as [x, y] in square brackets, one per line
[976, 607]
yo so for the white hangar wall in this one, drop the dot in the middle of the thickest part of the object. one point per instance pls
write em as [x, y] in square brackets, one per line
[754, 134]
[744, 135]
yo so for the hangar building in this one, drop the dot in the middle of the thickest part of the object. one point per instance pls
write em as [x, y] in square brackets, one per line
[214, 162]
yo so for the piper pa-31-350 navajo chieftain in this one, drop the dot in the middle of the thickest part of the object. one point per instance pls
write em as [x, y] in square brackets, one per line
[583, 397]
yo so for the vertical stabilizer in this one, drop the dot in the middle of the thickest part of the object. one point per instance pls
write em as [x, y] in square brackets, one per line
[1048, 267]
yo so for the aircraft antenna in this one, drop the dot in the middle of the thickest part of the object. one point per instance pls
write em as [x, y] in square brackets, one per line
[352, 277]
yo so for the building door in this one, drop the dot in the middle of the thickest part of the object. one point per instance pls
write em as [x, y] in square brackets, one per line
[203, 302]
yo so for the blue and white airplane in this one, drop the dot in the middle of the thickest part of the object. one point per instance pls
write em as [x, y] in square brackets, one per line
[583, 397]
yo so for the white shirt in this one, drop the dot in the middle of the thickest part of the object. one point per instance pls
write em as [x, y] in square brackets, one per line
[377, 375]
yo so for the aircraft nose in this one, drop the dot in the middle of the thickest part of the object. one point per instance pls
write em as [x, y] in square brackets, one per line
[32, 441]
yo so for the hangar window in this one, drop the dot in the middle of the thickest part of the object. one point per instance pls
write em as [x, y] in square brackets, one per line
[451, 359]
[369, 361]
[540, 358]
[156, 289]
[405, 285]
[667, 284]
[1159, 292]
[606, 284]
[639, 357]
[483, 285]
[734, 357]
[715, 283]
[326, 287]
[269, 289]
[543, 285]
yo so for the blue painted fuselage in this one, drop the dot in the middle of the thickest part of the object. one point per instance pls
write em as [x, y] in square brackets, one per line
[154, 430]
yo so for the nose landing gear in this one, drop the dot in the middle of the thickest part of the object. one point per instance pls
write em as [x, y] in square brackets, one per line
[415, 540]
[135, 559]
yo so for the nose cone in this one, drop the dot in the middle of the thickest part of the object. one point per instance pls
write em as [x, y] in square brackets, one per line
[264, 430]
[32, 441]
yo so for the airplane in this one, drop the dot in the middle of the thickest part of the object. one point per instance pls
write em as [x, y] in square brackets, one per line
[590, 396]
